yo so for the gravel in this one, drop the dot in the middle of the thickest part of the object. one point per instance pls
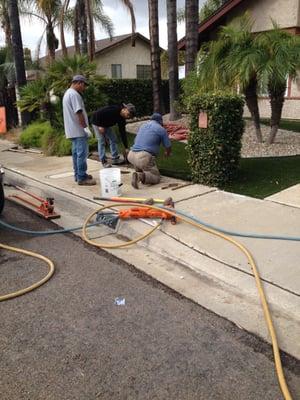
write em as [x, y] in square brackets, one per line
[287, 143]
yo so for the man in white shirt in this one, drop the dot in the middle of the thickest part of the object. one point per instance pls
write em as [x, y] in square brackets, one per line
[76, 128]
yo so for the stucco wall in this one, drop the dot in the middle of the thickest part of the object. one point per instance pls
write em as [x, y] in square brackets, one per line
[126, 55]
[291, 109]
[287, 14]
[295, 87]
[284, 12]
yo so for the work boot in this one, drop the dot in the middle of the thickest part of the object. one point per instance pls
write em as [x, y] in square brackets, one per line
[87, 176]
[87, 182]
[117, 161]
[142, 177]
[135, 180]
[105, 164]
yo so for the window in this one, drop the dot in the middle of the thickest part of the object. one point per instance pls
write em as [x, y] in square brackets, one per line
[143, 72]
[116, 71]
[263, 89]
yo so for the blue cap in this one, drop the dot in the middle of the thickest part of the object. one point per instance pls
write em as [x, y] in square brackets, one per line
[157, 117]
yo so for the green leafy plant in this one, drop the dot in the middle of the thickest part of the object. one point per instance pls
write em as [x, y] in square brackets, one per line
[33, 134]
[34, 96]
[60, 72]
[214, 152]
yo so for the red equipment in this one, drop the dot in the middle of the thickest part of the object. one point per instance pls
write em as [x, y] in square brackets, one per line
[144, 212]
[45, 208]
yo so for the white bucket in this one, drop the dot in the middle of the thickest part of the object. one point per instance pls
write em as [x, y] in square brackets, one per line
[110, 180]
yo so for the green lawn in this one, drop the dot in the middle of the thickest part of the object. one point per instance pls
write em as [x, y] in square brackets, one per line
[288, 124]
[261, 177]
[174, 166]
[257, 177]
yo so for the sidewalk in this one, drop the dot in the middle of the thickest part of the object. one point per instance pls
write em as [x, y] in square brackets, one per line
[206, 269]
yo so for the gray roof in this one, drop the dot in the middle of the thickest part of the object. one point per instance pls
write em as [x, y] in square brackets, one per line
[104, 44]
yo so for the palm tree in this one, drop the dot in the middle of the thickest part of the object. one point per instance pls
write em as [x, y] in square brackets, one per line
[281, 60]
[91, 31]
[64, 8]
[5, 24]
[84, 20]
[47, 11]
[173, 58]
[155, 54]
[191, 34]
[209, 7]
[7, 86]
[234, 61]
[17, 47]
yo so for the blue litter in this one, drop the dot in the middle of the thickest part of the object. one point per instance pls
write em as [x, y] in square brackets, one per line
[120, 301]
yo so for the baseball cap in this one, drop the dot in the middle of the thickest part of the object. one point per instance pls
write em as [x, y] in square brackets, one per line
[80, 78]
[157, 117]
[131, 108]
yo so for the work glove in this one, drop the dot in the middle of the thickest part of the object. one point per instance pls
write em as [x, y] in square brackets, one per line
[88, 132]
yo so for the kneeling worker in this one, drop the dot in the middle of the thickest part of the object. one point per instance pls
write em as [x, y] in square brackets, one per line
[145, 149]
[102, 121]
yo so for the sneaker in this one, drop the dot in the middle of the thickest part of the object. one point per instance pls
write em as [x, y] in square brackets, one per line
[135, 180]
[87, 182]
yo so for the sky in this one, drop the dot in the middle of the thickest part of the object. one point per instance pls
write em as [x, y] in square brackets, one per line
[32, 30]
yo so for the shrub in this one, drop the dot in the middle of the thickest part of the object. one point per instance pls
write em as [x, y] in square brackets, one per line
[54, 143]
[41, 134]
[64, 146]
[34, 96]
[32, 135]
[214, 152]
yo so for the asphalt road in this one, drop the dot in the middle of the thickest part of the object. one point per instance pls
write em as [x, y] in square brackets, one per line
[68, 340]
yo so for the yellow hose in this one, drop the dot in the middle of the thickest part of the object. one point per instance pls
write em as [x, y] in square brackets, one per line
[35, 285]
[113, 246]
[267, 314]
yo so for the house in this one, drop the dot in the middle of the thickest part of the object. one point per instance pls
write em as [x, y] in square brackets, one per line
[286, 13]
[117, 58]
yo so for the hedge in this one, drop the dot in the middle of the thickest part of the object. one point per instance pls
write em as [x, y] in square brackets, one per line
[214, 152]
[136, 91]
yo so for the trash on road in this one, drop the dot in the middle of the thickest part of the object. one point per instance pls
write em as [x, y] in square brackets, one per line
[120, 301]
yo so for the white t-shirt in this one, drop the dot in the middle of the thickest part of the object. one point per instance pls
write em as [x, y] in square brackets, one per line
[72, 103]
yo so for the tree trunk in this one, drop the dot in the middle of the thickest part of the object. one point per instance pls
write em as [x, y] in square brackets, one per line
[91, 32]
[250, 92]
[5, 24]
[83, 32]
[61, 27]
[76, 29]
[18, 54]
[155, 55]
[173, 58]
[52, 42]
[191, 29]
[276, 99]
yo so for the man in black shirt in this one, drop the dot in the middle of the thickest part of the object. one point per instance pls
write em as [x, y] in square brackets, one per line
[102, 121]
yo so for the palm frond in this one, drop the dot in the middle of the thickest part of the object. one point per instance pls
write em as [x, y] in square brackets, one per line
[101, 18]
[129, 6]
